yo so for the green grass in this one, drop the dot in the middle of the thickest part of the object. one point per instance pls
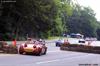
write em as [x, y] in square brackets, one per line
[55, 37]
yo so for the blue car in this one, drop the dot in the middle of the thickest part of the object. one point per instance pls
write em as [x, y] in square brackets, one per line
[59, 42]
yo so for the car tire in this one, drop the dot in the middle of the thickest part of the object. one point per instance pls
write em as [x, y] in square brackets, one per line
[45, 52]
[39, 53]
[56, 44]
[20, 52]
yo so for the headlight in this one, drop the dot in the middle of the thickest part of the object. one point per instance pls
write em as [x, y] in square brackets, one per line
[34, 46]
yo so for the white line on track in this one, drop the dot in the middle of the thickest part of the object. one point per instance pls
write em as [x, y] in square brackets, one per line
[54, 51]
[55, 60]
[7, 54]
[48, 61]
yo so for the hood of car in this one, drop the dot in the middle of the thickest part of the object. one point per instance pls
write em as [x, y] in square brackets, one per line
[31, 45]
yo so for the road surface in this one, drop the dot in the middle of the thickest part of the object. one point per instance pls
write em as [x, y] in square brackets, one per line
[54, 57]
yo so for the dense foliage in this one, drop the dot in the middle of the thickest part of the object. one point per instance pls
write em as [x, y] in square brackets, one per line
[44, 18]
[83, 21]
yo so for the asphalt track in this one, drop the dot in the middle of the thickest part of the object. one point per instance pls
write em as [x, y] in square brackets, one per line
[54, 57]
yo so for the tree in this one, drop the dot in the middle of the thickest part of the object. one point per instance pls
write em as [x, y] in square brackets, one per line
[64, 10]
[32, 17]
[83, 21]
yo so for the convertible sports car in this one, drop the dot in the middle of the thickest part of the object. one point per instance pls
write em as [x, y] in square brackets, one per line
[34, 47]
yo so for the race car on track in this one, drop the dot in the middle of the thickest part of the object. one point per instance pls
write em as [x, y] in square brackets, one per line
[61, 41]
[81, 41]
[36, 47]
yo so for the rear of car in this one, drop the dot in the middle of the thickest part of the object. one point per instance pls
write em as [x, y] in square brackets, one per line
[81, 41]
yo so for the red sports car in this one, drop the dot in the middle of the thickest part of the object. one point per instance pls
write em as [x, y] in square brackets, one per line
[35, 47]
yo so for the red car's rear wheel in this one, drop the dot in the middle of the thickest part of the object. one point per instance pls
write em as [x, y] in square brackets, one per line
[39, 53]
[45, 51]
[21, 50]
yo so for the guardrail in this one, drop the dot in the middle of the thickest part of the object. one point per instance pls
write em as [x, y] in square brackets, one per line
[80, 48]
[8, 48]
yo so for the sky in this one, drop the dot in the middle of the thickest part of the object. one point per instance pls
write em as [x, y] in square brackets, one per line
[94, 4]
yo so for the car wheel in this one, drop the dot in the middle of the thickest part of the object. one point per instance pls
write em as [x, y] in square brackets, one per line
[45, 52]
[56, 44]
[39, 53]
[59, 45]
[20, 52]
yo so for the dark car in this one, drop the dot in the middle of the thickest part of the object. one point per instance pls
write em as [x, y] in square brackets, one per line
[62, 41]
[59, 42]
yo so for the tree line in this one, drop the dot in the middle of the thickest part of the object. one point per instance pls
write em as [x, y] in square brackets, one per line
[44, 18]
